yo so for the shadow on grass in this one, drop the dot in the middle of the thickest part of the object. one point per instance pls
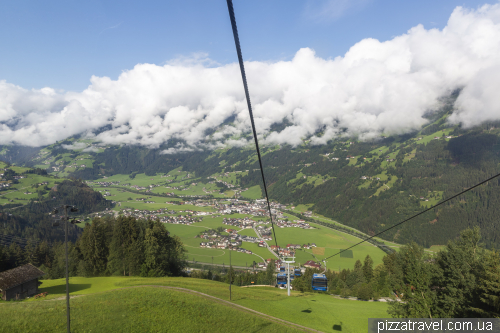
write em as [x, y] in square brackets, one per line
[337, 327]
[307, 310]
[61, 289]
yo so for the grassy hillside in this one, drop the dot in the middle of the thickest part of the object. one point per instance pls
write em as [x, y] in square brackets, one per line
[151, 309]
[135, 310]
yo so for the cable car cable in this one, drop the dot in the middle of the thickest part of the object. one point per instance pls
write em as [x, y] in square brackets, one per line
[245, 85]
[418, 214]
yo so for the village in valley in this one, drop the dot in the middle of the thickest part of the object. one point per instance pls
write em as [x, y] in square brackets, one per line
[251, 215]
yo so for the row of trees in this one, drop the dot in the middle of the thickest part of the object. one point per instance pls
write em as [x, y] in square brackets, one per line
[108, 246]
[238, 278]
[461, 281]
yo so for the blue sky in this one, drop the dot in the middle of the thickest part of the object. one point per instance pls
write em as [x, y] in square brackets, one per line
[61, 44]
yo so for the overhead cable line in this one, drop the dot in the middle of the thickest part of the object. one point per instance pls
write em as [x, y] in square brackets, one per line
[245, 85]
[418, 214]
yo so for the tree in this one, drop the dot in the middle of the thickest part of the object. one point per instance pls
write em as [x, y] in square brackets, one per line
[368, 268]
[16, 255]
[270, 273]
[124, 240]
[459, 268]
[365, 292]
[489, 287]
[163, 255]
[94, 246]
[414, 287]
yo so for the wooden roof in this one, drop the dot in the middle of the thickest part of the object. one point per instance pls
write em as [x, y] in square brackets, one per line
[19, 275]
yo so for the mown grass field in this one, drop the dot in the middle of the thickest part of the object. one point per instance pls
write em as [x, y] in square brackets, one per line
[253, 192]
[331, 242]
[105, 309]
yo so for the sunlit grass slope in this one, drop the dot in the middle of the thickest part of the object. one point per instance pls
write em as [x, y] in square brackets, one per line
[134, 310]
[136, 306]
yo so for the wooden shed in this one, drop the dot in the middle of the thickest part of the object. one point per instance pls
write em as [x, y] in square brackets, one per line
[20, 282]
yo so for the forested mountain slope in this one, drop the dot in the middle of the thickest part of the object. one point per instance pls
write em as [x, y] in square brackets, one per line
[32, 221]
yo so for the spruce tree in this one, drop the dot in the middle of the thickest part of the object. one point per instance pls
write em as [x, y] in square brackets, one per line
[459, 268]
[414, 287]
[368, 268]
[489, 288]
[94, 245]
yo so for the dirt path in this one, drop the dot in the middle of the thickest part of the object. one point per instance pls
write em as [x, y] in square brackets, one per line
[220, 301]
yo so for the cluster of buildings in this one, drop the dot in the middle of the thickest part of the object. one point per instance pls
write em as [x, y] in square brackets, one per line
[180, 219]
[257, 208]
[289, 224]
[232, 241]
[244, 223]
[103, 184]
[160, 214]
[74, 165]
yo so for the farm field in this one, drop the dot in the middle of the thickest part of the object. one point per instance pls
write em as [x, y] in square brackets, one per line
[328, 242]
[140, 309]
[395, 246]
[253, 192]
[247, 232]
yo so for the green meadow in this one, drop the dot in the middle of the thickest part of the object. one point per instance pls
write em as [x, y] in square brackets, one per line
[26, 189]
[428, 138]
[106, 308]
[253, 192]
[328, 242]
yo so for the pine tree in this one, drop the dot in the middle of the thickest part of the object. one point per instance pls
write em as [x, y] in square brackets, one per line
[270, 273]
[414, 287]
[16, 255]
[358, 272]
[489, 288]
[3, 259]
[459, 268]
[94, 245]
[163, 255]
[125, 237]
[31, 253]
[368, 268]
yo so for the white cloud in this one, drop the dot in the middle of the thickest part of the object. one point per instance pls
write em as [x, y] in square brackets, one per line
[75, 146]
[376, 87]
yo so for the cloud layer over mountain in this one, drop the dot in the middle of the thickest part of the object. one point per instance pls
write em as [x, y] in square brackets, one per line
[376, 87]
